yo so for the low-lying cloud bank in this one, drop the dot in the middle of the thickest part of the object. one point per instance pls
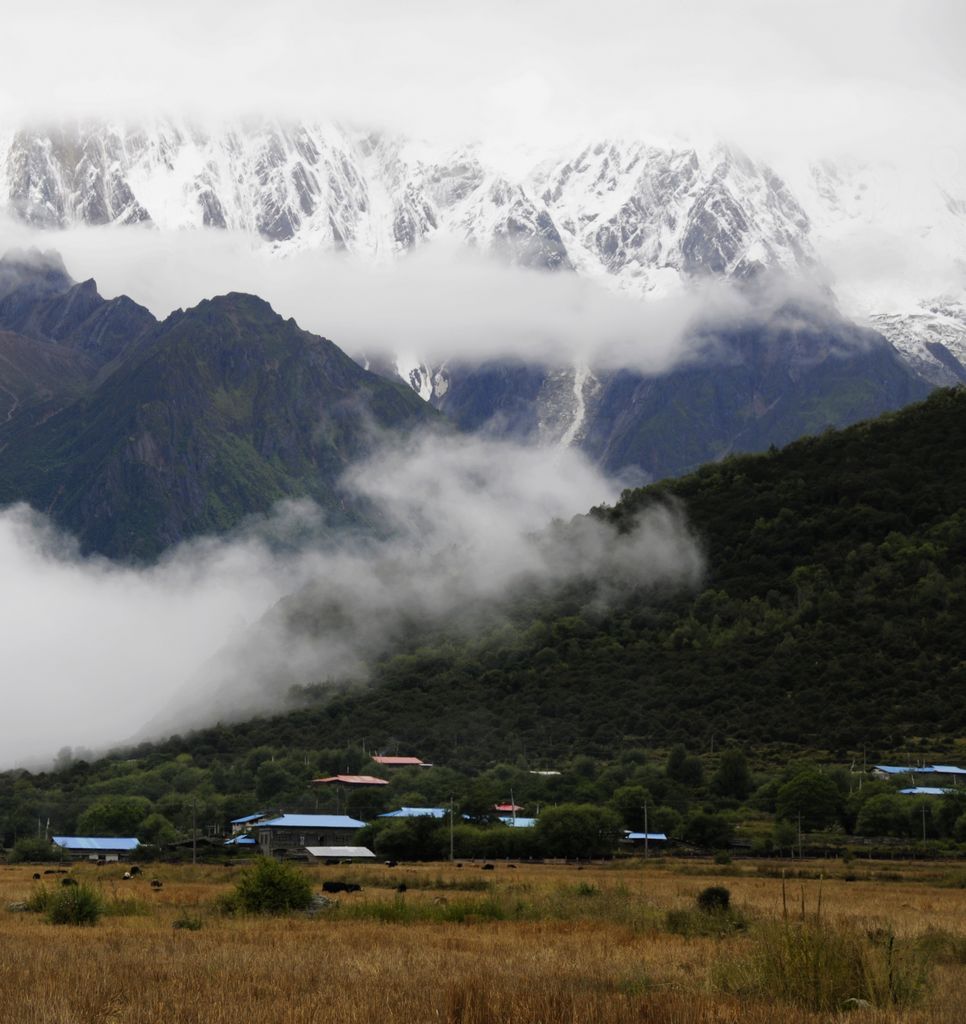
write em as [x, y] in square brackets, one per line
[94, 650]
[442, 302]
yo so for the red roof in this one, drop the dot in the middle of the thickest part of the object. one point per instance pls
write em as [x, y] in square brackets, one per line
[397, 762]
[355, 780]
[509, 808]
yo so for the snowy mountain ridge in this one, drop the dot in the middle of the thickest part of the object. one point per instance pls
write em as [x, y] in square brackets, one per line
[638, 217]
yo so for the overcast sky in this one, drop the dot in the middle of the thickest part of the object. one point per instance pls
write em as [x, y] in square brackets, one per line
[784, 76]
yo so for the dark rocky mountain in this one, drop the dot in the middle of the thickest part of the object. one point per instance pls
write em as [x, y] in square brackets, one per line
[214, 414]
[766, 385]
[760, 384]
[57, 336]
[35, 373]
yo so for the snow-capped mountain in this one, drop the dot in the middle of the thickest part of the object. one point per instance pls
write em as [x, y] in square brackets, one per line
[627, 210]
[640, 218]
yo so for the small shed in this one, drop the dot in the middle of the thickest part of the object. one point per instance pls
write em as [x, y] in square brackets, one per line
[98, 848]
[339, 853]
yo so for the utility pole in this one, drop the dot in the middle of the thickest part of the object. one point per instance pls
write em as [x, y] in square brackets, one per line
[452, 838]
[645, 831]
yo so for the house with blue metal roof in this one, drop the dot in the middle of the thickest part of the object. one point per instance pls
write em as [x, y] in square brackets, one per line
[102, 848]
[925, 791]
[289, 834]
[242, 840]
[651, 837]
[892, 770]
[929, 773]
[416, 812]
[517, 822]
[243, 824]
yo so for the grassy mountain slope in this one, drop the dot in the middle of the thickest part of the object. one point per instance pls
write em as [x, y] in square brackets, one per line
[219, 412]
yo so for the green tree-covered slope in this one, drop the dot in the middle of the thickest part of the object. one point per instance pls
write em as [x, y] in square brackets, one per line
[830, 617]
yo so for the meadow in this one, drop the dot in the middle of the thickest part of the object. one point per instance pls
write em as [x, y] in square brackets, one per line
[540, 943]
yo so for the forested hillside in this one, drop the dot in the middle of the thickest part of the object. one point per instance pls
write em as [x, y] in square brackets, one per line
[829, 617]
[829, 622]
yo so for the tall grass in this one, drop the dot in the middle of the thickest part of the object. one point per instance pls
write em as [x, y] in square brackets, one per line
[820, 965]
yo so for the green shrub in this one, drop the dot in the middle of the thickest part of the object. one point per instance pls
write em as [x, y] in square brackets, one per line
[713, 899]
[31, 850]
[188, 922]
[74, 904]
[271, 887]
[39, 899]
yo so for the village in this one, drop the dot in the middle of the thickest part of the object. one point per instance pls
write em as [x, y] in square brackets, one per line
[331, 834]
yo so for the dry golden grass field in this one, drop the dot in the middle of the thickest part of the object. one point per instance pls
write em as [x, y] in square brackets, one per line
[535, 944]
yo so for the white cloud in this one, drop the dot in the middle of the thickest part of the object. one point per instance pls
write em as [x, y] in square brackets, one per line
[442, 302]
[93, 651]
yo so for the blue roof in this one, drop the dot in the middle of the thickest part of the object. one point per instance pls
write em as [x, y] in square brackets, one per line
[241, 841]
[925, 791]
[948, 769]
[95, 843]
[313, 821]
[416, 812]
[891, 769]
[247, 818]
[641, 836]
[518, 822]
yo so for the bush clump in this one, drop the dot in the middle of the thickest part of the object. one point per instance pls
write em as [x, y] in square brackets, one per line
[714, 899]
[73, 904]
[271, 887]
[712, 915]
[32, 850]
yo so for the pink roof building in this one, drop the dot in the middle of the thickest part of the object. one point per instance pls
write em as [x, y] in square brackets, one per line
[353, 780]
